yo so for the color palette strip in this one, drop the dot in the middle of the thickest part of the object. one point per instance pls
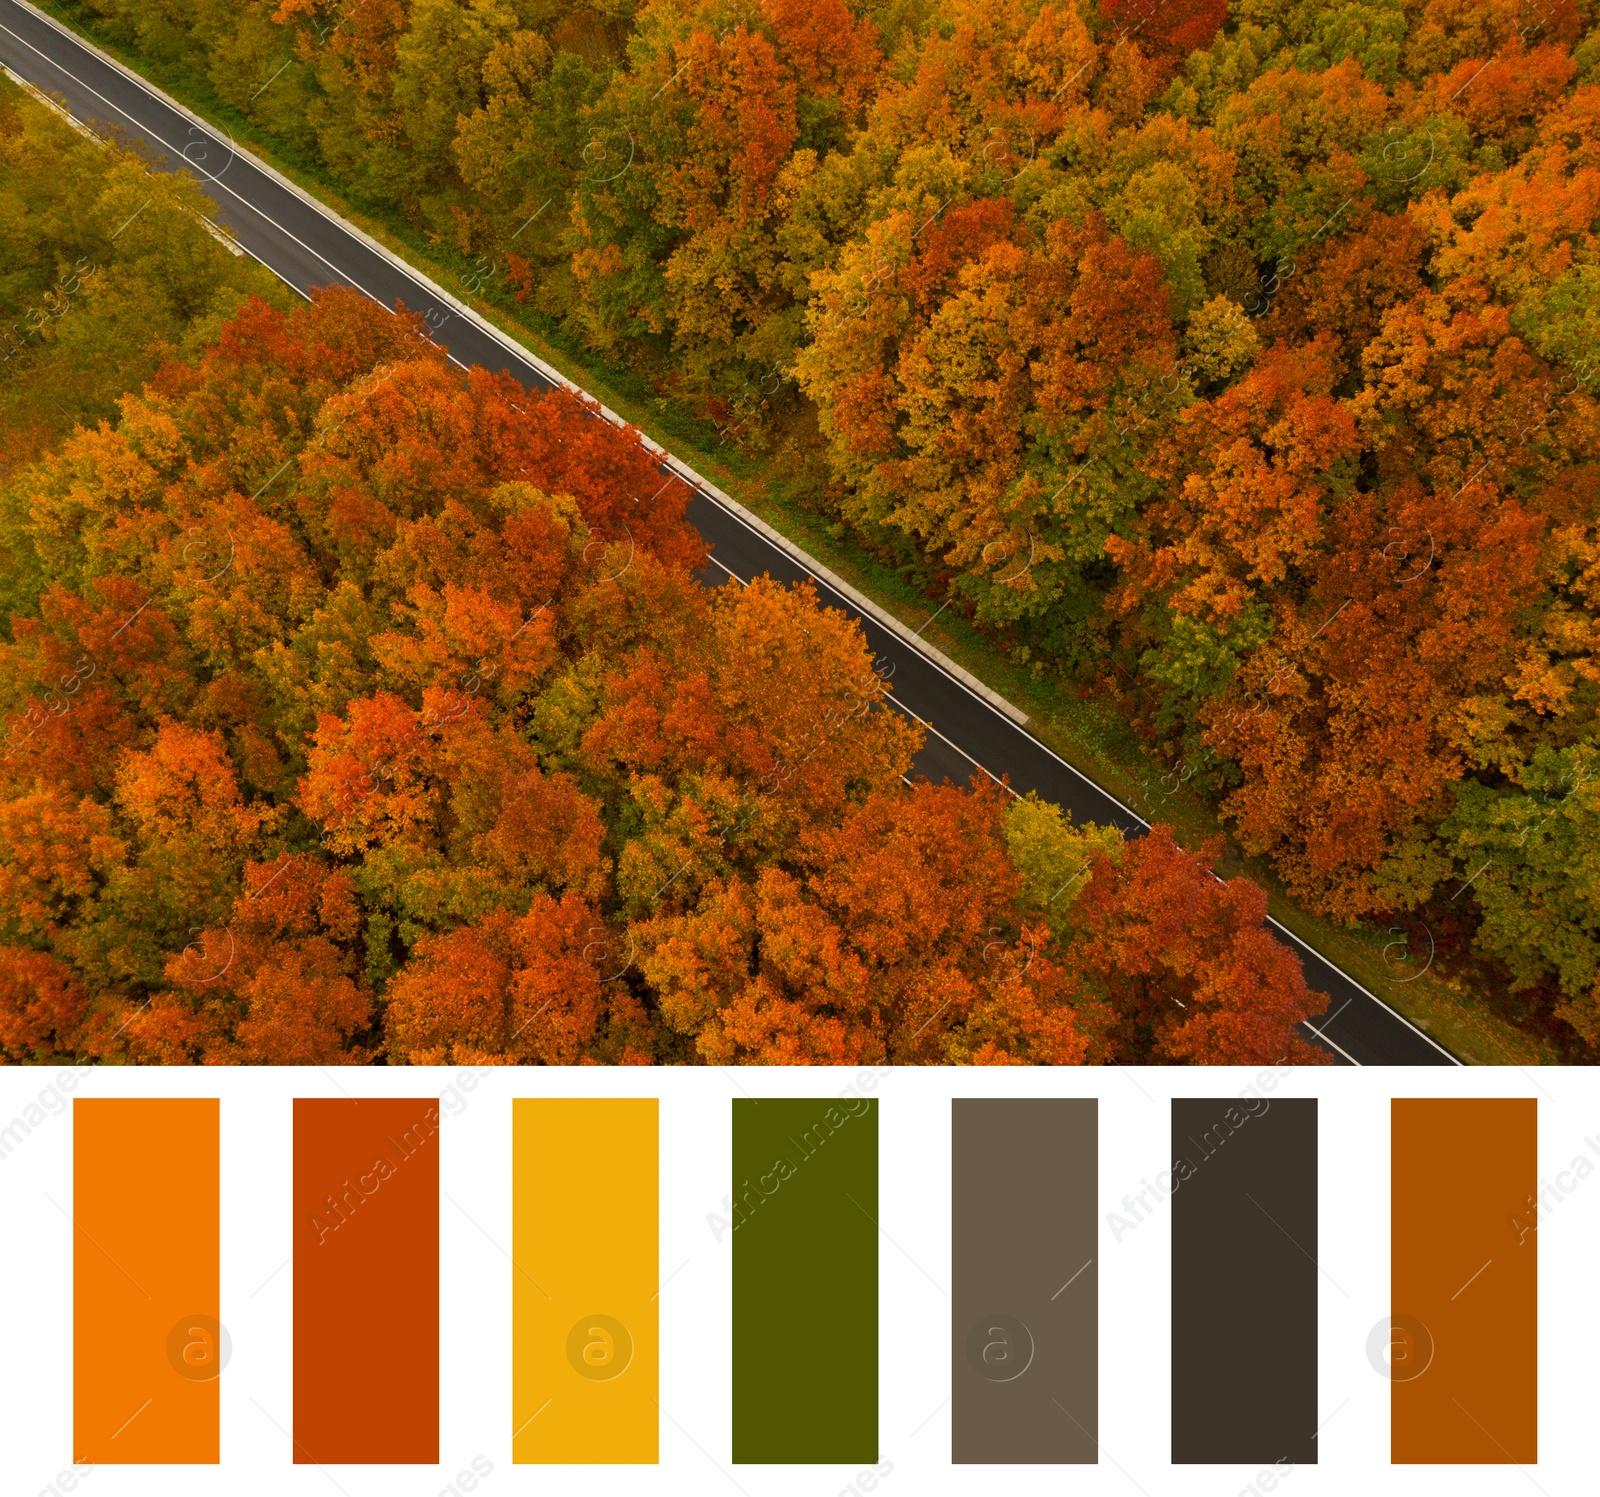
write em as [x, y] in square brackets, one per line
[1244, 1280]
[366, 1281]
[805, 1280]
[1025, 1296]
[1463, 1354]
[585, 1258]
[146, 1262]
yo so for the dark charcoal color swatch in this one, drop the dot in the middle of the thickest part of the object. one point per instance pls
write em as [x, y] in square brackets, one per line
[1244, 1280]
[805, 1280]
[1025, 1298]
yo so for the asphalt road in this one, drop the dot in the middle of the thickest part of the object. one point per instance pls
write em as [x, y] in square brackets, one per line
[307, 245]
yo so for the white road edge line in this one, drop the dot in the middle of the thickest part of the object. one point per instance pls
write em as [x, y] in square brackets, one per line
[1332, 1044]
[1284, 930]
[819, 573]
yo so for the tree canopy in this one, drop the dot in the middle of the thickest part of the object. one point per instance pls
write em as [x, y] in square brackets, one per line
[359, 708]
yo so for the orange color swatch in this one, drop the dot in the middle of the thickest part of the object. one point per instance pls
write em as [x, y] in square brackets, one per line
[146, 1343]
[1463, 1352]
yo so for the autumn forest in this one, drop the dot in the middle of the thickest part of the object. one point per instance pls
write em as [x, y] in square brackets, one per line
[361, 708]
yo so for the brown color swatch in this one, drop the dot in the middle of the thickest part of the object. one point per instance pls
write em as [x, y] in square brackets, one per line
[366, 1281]
[1464, 1285]
[146, 1346]
[1025, 1296]
[1244, 1281]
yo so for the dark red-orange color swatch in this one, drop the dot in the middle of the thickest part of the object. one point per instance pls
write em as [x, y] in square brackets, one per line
[366, 1281]
[1463, 1353]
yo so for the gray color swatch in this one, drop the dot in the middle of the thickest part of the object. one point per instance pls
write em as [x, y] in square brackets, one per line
[1025, 1297]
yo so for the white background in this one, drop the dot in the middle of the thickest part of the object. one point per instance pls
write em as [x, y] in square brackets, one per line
[914, 1280]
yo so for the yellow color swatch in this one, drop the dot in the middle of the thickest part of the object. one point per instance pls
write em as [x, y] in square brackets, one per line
[585, 1255]
[146, 1345]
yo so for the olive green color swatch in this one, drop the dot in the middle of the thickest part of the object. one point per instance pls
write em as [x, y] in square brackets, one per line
[805, 1280]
